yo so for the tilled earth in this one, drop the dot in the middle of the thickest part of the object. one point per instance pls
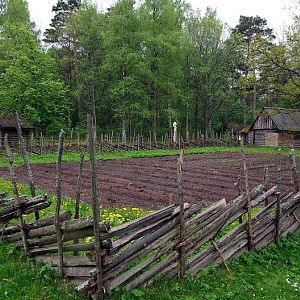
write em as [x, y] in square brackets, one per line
[148, 182]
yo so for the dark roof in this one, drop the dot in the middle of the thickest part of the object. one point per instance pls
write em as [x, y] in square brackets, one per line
[285, 119]
[11, 123]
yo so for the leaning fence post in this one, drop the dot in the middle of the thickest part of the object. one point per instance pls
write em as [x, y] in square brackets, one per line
[277, 219]
[78, 187]
[58, 204]
[266, 182]
[26, 160]
[249, 209]
[237, 184]
[294, 169]
[182, 225]
[16, 193]
[96, 208]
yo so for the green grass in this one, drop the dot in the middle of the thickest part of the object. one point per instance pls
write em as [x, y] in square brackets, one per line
[20, 280]
[74, 157]
[272, 273]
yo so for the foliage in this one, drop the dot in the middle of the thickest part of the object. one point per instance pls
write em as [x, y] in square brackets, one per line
[28, 76]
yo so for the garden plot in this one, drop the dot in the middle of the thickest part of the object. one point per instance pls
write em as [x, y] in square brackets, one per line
[150, 182]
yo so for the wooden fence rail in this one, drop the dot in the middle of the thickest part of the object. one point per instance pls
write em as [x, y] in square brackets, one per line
[135, 252]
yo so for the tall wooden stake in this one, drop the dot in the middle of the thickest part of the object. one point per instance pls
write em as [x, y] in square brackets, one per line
[277, 220]
[58, 203]
[237, 184]
[294, 170]
[26, 160]
[96, 208]
[249, 209]
[266, 182]
[16, 193]
[78, 187]
[182, 225]
[279, 169]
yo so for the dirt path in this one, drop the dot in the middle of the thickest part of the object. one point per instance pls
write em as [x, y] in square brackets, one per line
[147, 182]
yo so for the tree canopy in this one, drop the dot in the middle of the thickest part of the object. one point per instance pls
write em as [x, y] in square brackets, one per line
[141, 65]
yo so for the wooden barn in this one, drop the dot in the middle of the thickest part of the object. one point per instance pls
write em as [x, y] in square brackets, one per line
[9, 126]
[275, 127]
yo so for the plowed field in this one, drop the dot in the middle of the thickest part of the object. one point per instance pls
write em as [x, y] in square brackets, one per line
[148, 182]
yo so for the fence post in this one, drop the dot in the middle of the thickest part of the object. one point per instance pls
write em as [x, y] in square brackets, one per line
[16, 193]
[237, 184]
[26, 160]
[277, 219]
[266, 182]
[58, 204]
[182, 224]
[294, 170]
[96, 208]
[249, 209]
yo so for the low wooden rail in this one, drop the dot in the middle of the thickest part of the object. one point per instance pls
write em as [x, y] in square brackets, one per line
[135, 252]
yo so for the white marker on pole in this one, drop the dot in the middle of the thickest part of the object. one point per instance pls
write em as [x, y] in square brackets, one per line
[175, 132]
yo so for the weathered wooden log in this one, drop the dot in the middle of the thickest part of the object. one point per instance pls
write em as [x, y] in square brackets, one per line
[141, 243]
[182, 216]
[294, 170]
[3, 195]
[106, 245]
[76, 271]
[12, 202]
[22, 205]
[78, 187]
[69, 261]
[58, 204]
[161, 242]
[277, 220]
[263, 229]
[82, 228]
[37, 224]
[96, 205]
[123, 241]
[16, 194]
[221, 221]
[114, 283]
[26, 160]
[128, 228]
[157, 268]
[202, 219]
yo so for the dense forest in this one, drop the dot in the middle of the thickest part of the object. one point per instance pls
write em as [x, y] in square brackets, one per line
[139, 67]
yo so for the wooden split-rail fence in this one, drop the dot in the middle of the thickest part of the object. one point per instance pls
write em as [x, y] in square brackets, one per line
[135, 252]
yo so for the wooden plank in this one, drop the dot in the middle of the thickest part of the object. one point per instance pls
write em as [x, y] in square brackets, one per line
[69, 261]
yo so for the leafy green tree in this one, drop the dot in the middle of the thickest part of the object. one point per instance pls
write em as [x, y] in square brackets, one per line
[124, 68]
[209, 74]
[163, 56]
[86, 27]
[63, 50]
[28, 76]
[251, 29]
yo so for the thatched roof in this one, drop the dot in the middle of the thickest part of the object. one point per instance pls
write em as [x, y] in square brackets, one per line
[285, 119]
[11, 123]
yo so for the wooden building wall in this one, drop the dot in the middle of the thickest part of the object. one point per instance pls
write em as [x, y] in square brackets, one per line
[12, 136]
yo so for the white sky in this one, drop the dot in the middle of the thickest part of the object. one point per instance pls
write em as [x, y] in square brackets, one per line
[275, 11]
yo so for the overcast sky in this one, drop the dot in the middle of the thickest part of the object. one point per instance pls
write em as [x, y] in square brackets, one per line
[275, 11]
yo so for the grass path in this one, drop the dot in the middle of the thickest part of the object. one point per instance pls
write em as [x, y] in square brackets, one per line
[74, 157]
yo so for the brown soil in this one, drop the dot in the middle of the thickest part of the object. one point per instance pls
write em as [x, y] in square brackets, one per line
[148, 182]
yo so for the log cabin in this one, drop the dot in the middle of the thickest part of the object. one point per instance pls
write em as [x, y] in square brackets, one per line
[9, 126]
[278, 127]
